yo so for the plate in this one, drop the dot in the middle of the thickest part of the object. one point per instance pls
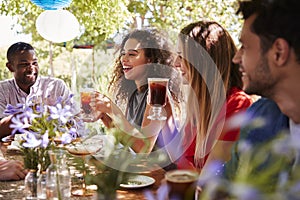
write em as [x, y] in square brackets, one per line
[86, 147]
[137, 181]
[95, 145]
[79, 149]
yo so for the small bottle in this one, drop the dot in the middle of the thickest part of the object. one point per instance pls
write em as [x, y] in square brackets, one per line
[58, 179]
[41, 186]
[31, 185]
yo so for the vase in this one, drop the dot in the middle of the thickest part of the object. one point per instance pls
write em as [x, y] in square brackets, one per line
[58, 178]
[31, 185]
[41, 186]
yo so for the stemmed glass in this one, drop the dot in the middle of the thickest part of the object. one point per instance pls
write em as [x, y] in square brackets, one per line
[157, 97]
[83, 191]
[83, 149]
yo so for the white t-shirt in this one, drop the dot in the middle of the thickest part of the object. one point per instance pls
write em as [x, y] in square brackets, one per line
[295, 130]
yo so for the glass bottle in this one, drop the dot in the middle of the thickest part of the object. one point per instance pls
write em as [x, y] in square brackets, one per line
[41, 186]
[58, 178]
[31, 185]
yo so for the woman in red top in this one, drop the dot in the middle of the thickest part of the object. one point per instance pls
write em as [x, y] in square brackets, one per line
[205, 52]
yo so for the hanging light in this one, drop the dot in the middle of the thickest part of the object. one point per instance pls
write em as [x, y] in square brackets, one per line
[57, 25]
[52, 4]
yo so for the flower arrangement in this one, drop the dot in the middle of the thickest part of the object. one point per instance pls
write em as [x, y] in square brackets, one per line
[42, 125]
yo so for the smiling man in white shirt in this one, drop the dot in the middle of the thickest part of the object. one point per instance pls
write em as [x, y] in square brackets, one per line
[22, 61]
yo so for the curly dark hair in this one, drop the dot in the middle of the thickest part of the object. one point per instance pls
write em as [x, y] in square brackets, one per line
[157, 51]
[275, 19]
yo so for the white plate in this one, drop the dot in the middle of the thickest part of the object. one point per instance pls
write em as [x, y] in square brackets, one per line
[138, 181]
[96, 145]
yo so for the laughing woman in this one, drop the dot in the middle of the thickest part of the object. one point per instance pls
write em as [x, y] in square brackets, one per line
[205, 52]
[143, 54]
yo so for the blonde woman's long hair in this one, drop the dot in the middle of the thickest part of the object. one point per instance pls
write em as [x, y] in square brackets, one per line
[208, 50]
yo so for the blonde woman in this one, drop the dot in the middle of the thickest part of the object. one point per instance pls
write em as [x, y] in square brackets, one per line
[205, 52]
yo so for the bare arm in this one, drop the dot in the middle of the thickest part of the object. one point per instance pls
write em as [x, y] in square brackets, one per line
[4, 126]
[139, 140]
[12, 170]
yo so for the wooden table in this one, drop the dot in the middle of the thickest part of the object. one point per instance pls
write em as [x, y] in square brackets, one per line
[14, 189]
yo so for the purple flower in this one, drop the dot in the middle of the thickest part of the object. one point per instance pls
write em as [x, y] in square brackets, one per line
[239, 119]
[295, 188]
[61, 113]
[11, 110]
[40, 121]
[282, 147]
[59, 100]
[69, 100]
[31, 141]
[212, 171]
[245, 192]
[66, 138]
[162, 193]
[30, 114]
[73, 133]
[244, 146]
[45, 140]
[19, 124]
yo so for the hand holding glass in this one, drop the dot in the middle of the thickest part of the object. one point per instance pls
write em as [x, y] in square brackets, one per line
[157, 97]
[85, 97]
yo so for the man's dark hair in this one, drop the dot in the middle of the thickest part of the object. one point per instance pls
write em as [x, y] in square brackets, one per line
[275, 19]
[17, 47]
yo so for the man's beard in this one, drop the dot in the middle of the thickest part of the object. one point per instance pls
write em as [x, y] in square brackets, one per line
[262, 82]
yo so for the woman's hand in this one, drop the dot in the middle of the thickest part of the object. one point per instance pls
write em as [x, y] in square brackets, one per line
[107, 120]
[101, 107]
[101, 104]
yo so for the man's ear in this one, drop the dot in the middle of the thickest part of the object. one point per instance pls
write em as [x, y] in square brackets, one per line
[10, 67]
[281, 51]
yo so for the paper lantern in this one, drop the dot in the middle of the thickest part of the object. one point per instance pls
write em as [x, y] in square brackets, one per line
[52, 4]
[57, 25]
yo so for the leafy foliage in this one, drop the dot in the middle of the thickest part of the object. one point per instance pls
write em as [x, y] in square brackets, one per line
[105, 20]
[101, 19]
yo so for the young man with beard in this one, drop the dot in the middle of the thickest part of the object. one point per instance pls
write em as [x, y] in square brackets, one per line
[269, 60]
[270, 54]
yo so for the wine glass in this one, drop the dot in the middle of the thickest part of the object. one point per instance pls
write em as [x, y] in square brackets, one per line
[85, 99]
[157, 97]
[82, 150]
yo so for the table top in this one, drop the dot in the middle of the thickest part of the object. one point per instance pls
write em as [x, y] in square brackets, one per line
[14, 189]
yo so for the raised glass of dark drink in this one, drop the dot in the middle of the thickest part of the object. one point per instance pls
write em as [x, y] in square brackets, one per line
[157, 97]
